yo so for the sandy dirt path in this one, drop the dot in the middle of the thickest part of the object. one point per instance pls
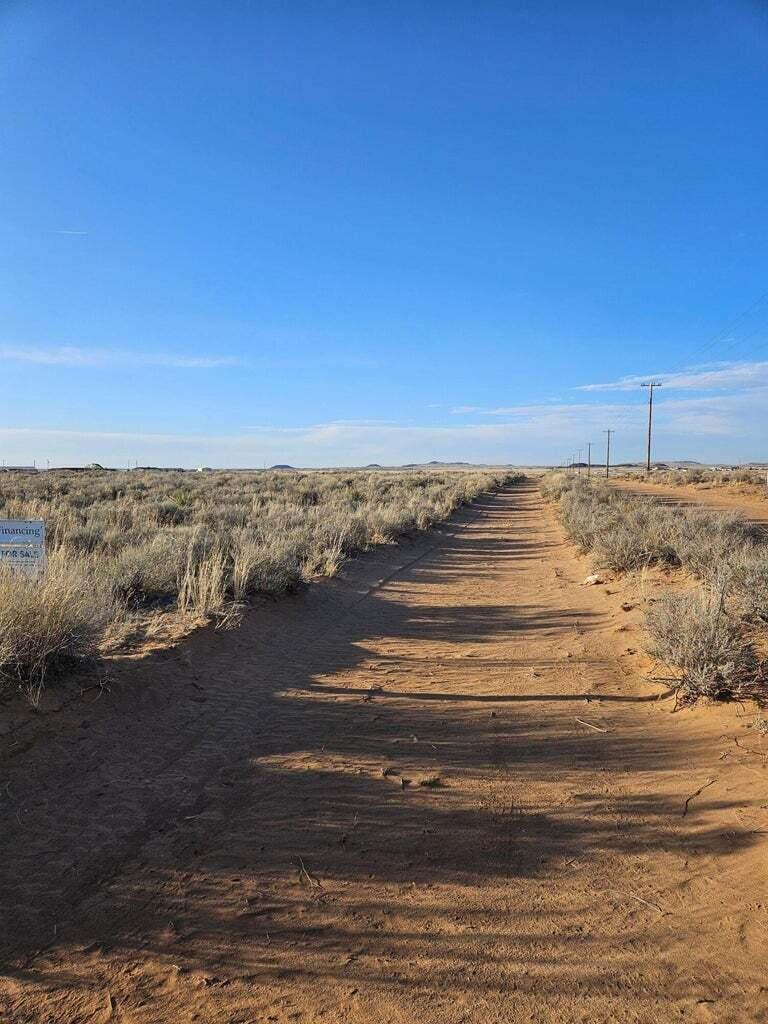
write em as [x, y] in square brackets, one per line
[249, 827]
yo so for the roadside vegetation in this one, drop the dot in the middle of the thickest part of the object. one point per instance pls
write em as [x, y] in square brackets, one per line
[713, 636]
[201, 542]
[699, 476]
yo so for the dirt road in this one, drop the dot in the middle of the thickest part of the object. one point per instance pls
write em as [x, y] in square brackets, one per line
[436, 790]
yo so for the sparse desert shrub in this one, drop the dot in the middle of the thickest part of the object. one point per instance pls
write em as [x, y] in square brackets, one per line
[625, 532]
[705, 634]
[85, 538]
[171, 513]
[698, 475]
[621, 549]
[47, 624]
[747, 576]
[694, 634]
[263, 567]
[704, 539]
[584, 518]
[119, 539]
[386, 524]
[554, 485]
[150, 571]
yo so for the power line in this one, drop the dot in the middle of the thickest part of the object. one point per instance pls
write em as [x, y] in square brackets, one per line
[724, 334]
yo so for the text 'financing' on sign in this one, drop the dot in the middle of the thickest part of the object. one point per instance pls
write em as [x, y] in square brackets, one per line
[22, 545]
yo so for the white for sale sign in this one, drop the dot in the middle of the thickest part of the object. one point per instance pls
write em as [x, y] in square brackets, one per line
[22, 545]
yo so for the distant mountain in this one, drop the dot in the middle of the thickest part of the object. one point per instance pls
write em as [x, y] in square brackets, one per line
[281, 465]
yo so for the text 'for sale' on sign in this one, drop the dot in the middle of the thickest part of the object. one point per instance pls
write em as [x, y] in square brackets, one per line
[22, 545]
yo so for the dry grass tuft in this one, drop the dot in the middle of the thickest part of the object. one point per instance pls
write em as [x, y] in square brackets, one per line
[203, 584]
[48, 624]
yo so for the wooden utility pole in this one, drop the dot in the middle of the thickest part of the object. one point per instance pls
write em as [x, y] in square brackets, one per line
[608, 452]
[589, 458]
[650, 385]
[578, 460]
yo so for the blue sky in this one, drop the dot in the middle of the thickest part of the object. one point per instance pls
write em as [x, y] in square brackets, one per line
[336, 233]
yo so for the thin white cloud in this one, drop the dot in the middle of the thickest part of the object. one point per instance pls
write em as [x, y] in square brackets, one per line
[714, 376]
[333, 423]
[76, 356]
[109, 357]
[560, 414]
[66, 231]
[310, 364]
[502, 410]
[725, 427]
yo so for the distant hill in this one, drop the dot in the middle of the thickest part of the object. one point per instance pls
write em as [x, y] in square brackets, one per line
[658, 464]
[435, 462]
[281, 465]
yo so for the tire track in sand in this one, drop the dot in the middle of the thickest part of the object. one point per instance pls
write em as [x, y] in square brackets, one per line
[267, 851]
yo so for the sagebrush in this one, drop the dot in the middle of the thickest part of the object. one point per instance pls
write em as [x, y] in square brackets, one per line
[710, 635]
[702, 475]
[124, 540]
